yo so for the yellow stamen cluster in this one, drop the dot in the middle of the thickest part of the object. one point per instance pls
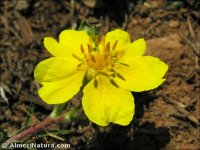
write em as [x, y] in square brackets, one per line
[100, 58]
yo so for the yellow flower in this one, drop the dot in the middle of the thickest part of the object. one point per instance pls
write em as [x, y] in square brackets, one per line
[108, 68]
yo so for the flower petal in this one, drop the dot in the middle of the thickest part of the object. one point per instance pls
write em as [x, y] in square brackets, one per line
[104, 103]
[55, 69]
[69, 42]
[52, 46]
[137, 48]
[141, 73]
[121, 36]
[58, 92]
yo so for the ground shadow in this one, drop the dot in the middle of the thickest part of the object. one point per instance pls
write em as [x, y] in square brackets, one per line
[134, 136]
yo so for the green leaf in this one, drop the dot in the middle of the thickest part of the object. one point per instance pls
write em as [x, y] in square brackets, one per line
[89, 29]
[54, 132]
[28, 117]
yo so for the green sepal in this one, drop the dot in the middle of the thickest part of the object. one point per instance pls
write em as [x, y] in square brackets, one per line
[89, 29]
[58, 109]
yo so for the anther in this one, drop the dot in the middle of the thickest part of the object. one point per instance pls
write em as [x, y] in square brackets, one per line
[79, 65]
[124, 64]
[102, 40]
[112, 75]
[89, 48]
[82, 49]
[112, 70]
[105, 57]
[95, 83]
[76, 57]
[91, 41]
[120, 76]
[114, 45]
[114, 83]
[120, 54]
[93, 58]
[98, 40]
[107, 47]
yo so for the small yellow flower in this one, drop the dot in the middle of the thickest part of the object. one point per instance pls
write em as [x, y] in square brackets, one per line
[111, 67]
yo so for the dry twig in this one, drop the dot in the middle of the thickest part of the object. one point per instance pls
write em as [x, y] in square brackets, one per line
[181, 108]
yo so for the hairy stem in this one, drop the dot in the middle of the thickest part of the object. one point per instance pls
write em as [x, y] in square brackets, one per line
[34, 129]
[44, 124]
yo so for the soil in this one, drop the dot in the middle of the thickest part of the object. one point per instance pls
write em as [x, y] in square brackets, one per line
[165, 118]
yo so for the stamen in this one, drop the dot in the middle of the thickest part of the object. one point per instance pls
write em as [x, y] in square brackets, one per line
[89, 48]
[120, 76]
[93, 58]
[98, 40]
[114, 45]
[91, 41]
[79, 65]
[102, 41]
[76, 57]
[107, 47]
[114, 83]
[120, 54]
[124, 64]
[95, 83]
[82, 49]
[105, 57]
[112, 70]
[112, 75]
[117, 74]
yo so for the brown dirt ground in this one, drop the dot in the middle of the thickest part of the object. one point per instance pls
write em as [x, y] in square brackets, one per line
[166, 118]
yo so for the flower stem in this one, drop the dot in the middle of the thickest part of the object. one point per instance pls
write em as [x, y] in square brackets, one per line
[57, 109]
[44, 124]
[32, 130]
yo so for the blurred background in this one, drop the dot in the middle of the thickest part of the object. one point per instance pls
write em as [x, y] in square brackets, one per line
[165, 118]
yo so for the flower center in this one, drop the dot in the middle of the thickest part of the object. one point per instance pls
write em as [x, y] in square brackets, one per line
[99, 54]
[100, 58]
[98, 61]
